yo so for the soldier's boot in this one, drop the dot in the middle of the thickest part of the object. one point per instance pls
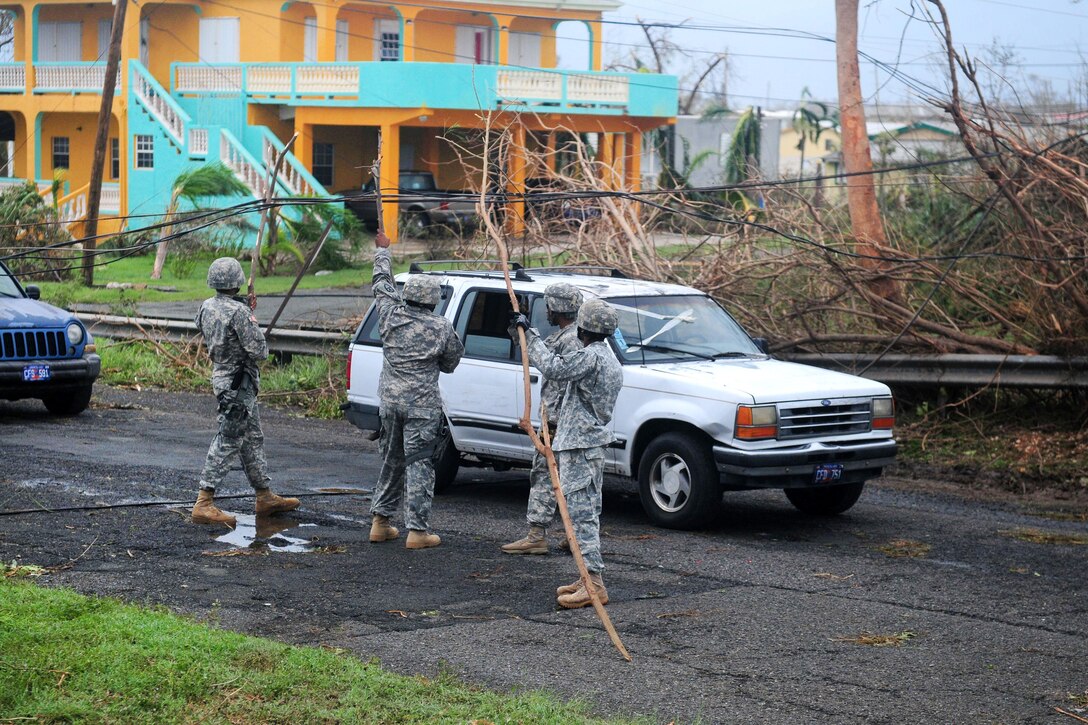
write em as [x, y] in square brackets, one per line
[381, 530]
[205, 511]
[421, 540]
[269, 503]
[533, 543]
[580, 598]
[568, 588]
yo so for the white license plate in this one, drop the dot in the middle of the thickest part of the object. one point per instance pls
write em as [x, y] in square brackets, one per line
[35, 373]
[828, 473]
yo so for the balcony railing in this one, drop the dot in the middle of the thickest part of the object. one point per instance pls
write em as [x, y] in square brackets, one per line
[159, 104]
[12, 77]
[293, 175]
[435, 85]
[70, 77]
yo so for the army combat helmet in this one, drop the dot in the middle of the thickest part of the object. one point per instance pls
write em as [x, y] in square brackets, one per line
[563, 298]
[226, 273]
[597, 316]
[423, 290]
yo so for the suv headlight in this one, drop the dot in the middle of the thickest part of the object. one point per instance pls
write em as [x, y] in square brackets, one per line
[756, 422]
[75, 333]
[883, 410]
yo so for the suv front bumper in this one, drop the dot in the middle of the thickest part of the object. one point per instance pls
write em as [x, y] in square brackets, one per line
[796, 467]
[64, 374]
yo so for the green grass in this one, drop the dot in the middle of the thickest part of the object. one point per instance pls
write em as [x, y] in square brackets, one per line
[189, 280]
[67, 657]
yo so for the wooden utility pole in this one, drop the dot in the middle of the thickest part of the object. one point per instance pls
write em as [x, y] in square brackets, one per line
[860, 190]
[101, 139]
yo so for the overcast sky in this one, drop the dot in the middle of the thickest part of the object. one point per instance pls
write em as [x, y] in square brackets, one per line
[770, 65]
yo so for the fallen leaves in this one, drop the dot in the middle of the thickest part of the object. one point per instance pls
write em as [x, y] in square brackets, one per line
[16, 571]
[1038, 536]
[878, 640]
[337, 549]
[905, 548]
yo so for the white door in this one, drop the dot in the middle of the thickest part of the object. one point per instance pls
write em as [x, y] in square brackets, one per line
[105, 30]
[60, 42]
[343, 33]
[309, 41]
[473, 44]
[524, 50]
[386, 39]
[219, 40]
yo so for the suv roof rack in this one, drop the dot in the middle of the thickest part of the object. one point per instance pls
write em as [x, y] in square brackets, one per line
[595, 270]
[515, 267]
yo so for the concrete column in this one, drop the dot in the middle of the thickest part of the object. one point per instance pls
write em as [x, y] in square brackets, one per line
[30, 16]
[549, 154]
[326, 32]
[390, 181]
[408, 39]
[515, 185]
[605, 149]
[596, 43]
[632, 161]
[502, 57]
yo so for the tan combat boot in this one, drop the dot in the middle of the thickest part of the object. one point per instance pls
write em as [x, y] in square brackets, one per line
[568, 588]
[270, 503]
[580, 598]
[205, 512]
[533, 543]
[381, 530]
[421, 540]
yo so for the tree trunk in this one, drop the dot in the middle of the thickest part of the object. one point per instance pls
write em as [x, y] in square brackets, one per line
[860, 192]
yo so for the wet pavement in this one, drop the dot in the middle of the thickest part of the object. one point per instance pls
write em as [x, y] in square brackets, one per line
[761, 619]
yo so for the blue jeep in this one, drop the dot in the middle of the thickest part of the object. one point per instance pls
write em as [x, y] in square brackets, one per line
[45, 352]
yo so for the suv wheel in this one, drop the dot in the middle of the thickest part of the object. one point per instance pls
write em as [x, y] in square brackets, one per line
[72, 402]
[825, 501]
[678, 482]
[414, 223]
[447, 461]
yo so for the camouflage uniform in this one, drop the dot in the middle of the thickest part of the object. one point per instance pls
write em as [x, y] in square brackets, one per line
[542, 504]
[235, 342]
[593, 378]
[417, 345]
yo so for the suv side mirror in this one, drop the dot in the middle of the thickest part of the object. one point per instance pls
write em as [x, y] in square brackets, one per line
[762, 344]
[33, 291]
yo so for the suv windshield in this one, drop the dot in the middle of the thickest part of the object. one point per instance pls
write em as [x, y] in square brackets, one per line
[662, 329]
[8, 288]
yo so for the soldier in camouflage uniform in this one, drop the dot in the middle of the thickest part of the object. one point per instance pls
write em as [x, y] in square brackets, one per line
[562, 301]
[236, 346]
[593, 377]
[417, 345]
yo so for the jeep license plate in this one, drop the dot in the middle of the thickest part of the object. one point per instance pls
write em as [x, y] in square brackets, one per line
[828, 472]
[35, 373]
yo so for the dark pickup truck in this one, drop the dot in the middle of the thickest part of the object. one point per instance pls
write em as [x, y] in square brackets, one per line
[422, 204]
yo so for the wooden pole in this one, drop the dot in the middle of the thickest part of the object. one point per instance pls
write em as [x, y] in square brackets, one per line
[376, 172]
[298, 277]
[526, 423]
[266, 212]
[101, 139]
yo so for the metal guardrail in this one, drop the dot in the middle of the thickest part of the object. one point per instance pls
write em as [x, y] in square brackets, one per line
[973, 371]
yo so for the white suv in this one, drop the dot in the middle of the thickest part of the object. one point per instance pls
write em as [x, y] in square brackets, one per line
[703, 408]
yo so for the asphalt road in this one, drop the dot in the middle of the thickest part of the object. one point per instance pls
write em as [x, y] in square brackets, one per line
[755, 621]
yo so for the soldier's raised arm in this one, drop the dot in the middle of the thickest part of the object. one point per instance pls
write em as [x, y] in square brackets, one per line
[451, 354]
[561, 368]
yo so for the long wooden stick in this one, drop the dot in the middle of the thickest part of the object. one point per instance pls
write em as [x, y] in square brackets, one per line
[298, 277]
[527, 425]
[273, 173]
[376, 173]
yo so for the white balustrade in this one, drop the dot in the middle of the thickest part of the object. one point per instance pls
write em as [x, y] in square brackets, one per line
[597, 89]
[73, 209]
[327, 79]
[110, 201]
[209, 78]
[198, 142]
[269, 79]
[13, 76]
[160, 107]
[235, 158]
[518, 84]
[71, 77]
[289, 175]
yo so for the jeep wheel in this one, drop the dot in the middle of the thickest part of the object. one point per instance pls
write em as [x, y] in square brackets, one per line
[447, 461]
[72, 402]
[825, 501]
[678, 482]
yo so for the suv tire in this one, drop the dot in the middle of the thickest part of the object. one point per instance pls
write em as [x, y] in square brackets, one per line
[72, 402]
[678, 482]
[825, 501]
[447, 461]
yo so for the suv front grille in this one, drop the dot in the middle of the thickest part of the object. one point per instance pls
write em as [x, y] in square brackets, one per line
[33, 344]
[813, 421]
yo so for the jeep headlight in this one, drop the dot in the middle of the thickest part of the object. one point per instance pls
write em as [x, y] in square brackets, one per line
[883, 410]
[75, 333]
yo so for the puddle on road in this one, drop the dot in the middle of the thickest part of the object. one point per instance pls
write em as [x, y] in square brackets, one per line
[266, 533]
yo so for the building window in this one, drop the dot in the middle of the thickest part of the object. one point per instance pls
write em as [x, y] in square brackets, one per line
[61, 153]
[323, 163]
[388, 40]
[115, 158]
[145, 152]
[829, 145]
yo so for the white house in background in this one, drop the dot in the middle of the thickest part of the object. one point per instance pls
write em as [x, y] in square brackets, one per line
[695, 135]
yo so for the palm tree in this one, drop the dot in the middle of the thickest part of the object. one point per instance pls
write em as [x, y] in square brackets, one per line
[213, 179]
[809, 122]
